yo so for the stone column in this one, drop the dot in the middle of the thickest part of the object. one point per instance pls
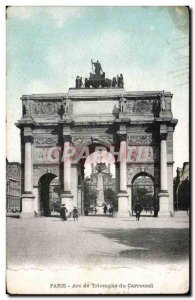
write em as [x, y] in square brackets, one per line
[36, 200]
[67, 168]
[129, 191]
[27, 197]
[66, 196]
[28, 166]
[82, 190]
[79, 199]
[170, 188]
[122, 195]
[123, 166]
[117, 177]
[163, 195]
[74, 183]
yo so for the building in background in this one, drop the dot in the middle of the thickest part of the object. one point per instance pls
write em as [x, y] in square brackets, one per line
[182, 188]
[54, 195]
[13, 186]
[104, 171]
[100, 180]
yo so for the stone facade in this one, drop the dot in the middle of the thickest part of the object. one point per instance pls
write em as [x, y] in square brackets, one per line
[13, 186]
[140, 122]
[182, 188]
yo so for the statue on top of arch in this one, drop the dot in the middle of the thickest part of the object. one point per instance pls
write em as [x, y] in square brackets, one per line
[98, 67]
[97, 79]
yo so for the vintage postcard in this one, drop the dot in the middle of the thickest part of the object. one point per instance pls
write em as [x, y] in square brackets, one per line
[97, 160]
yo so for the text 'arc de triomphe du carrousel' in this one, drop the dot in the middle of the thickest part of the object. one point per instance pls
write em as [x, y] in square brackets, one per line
[59, 131]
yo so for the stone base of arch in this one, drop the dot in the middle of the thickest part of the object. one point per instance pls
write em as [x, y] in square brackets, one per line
[164, 204]
[27, 206]
[67, 199]
[122, 205]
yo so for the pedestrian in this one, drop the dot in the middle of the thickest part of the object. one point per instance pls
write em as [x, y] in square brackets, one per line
[138, 210]
[75, 213]
[105, 209]
[111, 209]
[63, 211]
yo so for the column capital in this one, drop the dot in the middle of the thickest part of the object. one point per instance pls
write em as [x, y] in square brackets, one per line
[163, 136]
[28, 139]
[122, 137]
[67, 138]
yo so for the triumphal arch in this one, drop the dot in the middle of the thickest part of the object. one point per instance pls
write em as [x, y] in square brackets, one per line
[59, 131]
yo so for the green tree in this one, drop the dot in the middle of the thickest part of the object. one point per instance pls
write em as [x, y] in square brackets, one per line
[90, 196]
[57, 189]
[184, 195]
[110, 197]
[144, 196]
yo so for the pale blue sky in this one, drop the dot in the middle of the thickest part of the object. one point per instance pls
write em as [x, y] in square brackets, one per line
[48, 46]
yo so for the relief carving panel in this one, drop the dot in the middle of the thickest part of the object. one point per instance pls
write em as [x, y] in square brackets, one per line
[142, 153]
[45, 155]
[37, 107]
[142, 106]
[79, 140]
[48, 140]
[139, 139]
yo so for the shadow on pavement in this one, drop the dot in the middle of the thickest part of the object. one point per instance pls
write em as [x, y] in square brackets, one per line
[103, 215]
[156, 244]
[13, 216]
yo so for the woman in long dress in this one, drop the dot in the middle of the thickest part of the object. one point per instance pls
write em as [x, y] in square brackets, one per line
[63, 211]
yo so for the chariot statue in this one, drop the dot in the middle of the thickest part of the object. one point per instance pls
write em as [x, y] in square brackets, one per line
[97, 79]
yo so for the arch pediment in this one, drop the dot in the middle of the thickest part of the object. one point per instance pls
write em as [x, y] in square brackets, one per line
[39, 171]
[83, 141]
[150, 170]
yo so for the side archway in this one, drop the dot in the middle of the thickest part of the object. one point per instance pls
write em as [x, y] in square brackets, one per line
[144, 192]
[44, 193]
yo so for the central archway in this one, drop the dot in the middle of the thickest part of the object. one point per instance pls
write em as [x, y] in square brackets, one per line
[99, 180]
[44, 192]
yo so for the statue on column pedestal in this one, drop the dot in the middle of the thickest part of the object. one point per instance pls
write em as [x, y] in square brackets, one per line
[67, 105]
[162, 103]
[26, 107]
[122, 104]
[64, 108]
[61, 111]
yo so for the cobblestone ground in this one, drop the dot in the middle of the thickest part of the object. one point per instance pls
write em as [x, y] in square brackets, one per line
[96, 241]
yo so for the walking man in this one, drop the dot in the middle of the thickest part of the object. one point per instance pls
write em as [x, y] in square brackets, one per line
[75, 213]
[138, 210]
[105, 209]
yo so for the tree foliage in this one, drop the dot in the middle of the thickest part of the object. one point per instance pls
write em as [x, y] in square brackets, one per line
[110, 197]
[90, 196]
